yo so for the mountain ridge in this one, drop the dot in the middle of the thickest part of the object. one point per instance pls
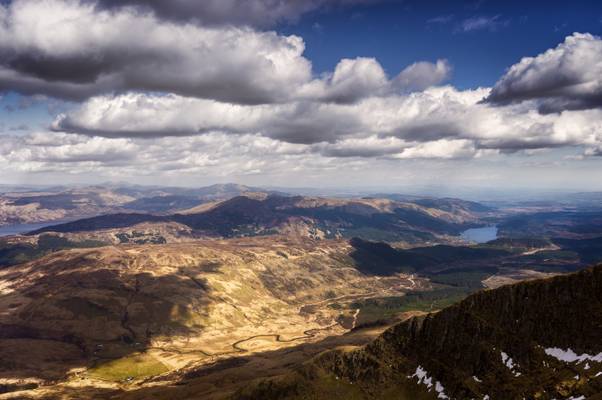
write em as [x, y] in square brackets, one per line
[495, 344]
[320, 217]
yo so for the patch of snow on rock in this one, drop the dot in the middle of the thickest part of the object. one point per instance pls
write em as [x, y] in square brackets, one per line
[423, 377]
[569, 355]
[509, 363]
[440, 391]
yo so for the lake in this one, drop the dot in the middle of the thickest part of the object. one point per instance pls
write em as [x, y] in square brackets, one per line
[9, 230]
[480, 235]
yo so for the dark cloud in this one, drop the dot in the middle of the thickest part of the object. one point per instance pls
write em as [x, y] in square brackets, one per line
[93, 52]
[261, 13]
[71, 50]
[568, 77]
[72, 68]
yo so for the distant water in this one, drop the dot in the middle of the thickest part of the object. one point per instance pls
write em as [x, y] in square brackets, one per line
[24, 228]
[480, 235]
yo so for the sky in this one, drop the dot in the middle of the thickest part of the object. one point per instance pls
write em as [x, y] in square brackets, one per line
[373, 94]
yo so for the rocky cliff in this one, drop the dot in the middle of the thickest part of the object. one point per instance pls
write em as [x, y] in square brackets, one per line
[533, 340]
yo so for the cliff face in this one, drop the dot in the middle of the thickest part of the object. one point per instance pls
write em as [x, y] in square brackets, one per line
[532, 340]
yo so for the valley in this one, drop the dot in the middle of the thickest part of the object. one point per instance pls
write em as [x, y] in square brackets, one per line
[177, 306]
[127, 305]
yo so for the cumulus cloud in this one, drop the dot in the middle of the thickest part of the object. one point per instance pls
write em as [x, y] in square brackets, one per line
[94, 51]
[43, 151]
[143, 115]
[351, 81]
[432, 115]
[360, 78]
[568, 77]
[422, 75]
[69, 49]
[214, 154]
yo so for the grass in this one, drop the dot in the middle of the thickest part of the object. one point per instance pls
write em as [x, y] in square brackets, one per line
[467, 279]
[11, 254]
[380, 309]
[326, 386]
[135, 366]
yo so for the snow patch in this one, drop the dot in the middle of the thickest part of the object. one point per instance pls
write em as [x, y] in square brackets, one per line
[509, 363]
[440, 391]
[569, 355]
[425, 379]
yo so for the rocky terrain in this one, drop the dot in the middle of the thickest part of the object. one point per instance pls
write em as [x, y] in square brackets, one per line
[532, 340]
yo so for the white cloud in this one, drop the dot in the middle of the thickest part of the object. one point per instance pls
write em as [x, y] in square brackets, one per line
[566, 77]
[482, 22]
[66, 48]
[72, 49]
[360, 78]
[351, 81]
[422, 75]
[420, 117]
[442, 148]
[371, 146]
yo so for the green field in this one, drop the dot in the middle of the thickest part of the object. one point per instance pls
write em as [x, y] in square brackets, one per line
[135, 366]
[386, 308]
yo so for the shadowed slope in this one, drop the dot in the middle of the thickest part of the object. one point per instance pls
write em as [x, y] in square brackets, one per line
[495, 344]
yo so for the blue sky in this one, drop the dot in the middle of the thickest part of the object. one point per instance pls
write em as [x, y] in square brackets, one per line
[399, 33]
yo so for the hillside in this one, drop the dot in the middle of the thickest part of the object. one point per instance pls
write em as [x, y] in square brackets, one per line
[375, 219]
[68, 203]
[90, 313]
[532, 340]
